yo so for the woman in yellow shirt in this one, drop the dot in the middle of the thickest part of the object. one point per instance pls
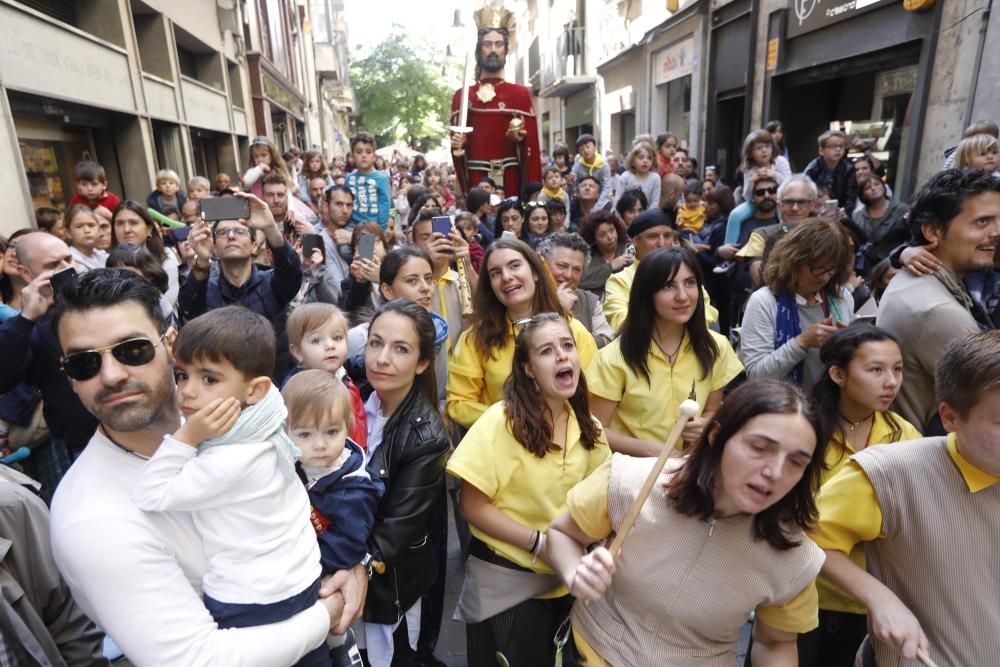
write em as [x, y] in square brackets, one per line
[863, 372]
[517, 463]
[665, 352]
[517, 285]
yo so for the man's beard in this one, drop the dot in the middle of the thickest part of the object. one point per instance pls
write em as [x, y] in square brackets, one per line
[135, 415]
[491, 63]
[766, 206]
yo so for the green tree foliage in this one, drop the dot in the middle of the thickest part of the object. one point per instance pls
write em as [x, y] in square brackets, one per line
[402, 92]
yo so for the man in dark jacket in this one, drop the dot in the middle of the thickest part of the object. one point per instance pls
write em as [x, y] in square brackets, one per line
[31, 354]
[238, 281]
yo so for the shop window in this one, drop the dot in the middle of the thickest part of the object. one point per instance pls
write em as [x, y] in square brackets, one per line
[169, 151]
[49, 167]
[205, 153]
[151, 38]
[679, 107]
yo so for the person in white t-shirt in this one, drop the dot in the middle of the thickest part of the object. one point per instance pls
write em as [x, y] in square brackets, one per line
[82, 229]
[138, 574]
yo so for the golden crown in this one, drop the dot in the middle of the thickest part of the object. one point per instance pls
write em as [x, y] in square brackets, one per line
[495, 18]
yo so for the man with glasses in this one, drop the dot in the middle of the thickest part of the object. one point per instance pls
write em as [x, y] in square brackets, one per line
[137, 574]
[238, 281]
[797, 197]
[31, 355]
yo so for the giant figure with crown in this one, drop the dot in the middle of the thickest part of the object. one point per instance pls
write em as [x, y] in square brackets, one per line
[503, 141]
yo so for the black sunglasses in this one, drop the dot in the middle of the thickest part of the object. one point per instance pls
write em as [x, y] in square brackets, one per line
[132, 352]
[760, 192]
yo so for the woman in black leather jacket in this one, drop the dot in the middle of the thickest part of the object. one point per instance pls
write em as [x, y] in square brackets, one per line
[408, 445]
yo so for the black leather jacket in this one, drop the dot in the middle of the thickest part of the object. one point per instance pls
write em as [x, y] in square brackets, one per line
[410, 462]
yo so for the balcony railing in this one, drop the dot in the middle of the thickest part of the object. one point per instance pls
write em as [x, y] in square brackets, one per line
[567, 59]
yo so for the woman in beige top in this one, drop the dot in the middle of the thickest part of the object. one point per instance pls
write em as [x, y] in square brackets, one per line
[719, 537]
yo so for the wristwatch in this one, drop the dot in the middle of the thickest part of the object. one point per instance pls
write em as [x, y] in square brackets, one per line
[366, 563]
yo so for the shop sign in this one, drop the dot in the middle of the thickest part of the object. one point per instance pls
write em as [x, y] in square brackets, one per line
[772, 54]
[675, 62]
[277, 92]
[808, 15]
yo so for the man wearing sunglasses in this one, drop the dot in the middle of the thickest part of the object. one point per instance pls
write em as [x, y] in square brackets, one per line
[31, 355]
[138, 575]
[238, 282]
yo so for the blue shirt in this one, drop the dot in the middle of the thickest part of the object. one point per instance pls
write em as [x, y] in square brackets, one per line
[372, 197]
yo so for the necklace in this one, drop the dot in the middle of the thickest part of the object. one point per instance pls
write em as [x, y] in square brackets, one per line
[126, 449]
[671, 358]
[852, 426]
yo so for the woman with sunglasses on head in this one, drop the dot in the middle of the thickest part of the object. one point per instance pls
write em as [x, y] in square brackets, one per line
[863, 372]
[537, 226]
[407, 446]
[664, 355]
[515, 285]
[516, 465]
[721, 535]
[804, 300]
[131, 223]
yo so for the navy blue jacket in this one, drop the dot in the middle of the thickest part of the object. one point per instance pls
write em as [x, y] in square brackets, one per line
[345, 501]
[31, 354]
[844, 187]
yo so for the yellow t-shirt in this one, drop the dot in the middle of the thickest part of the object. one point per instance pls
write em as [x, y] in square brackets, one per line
[528, 489]
[647, 410]
[588, 506]
[475, 382]
[754, 247]
[837, 456]
[616, 292]
[691, 218]
[849, 511]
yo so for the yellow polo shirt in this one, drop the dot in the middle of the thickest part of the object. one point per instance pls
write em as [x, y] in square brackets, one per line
[616, 292]
[837, 456]
[754, 247]
[475, 382]
[528, 489]
[588, 506]
[647, 410]
[849, 512]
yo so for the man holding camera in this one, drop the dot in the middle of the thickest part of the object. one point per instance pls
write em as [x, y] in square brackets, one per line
[31, 355]
[238, 281]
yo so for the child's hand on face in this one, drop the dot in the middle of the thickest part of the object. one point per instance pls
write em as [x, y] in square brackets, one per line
[103, 212]
[210, 422]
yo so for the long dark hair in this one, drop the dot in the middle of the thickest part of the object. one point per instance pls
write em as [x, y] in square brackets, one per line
[489, 323]
[654, 272]
[426, 335]
[155, 239]
[838, 351]
[692, 489]
[139, 257]
[531, 426]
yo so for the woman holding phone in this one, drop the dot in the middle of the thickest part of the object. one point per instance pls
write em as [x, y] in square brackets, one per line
[516, 285]
[804, 300]
[516, 465]
[359, 290]
[407, 447]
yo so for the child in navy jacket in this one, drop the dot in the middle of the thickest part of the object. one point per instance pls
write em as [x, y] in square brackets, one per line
[332, 466]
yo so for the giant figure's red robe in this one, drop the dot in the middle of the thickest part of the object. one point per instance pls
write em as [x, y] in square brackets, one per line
[488, 151]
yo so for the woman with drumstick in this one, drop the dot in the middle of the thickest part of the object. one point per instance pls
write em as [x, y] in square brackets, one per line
[517, 285]
[720, 536]
[517, 463]
[665, 354]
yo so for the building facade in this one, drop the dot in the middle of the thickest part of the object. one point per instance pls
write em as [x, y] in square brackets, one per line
[334, 94]
[137, 85]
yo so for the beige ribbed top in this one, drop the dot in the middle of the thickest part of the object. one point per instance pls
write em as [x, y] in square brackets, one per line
[684, 587]
[941, 554]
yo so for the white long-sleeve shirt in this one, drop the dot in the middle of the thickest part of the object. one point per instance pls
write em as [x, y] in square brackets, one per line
[252, 519]
[138, 574]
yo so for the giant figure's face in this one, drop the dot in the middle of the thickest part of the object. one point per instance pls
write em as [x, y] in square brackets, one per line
[491, 54]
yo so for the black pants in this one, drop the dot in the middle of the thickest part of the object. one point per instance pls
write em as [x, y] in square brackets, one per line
[835, 642]
[523, 634]
[432, 602]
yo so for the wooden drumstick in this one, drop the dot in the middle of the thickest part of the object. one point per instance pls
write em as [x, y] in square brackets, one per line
[689, 409]
[924, 658]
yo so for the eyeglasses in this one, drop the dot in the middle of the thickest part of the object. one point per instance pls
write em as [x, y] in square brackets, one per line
[822, 271]
[797, 203]
[238, 232]
[760, 192]
[82, 366]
